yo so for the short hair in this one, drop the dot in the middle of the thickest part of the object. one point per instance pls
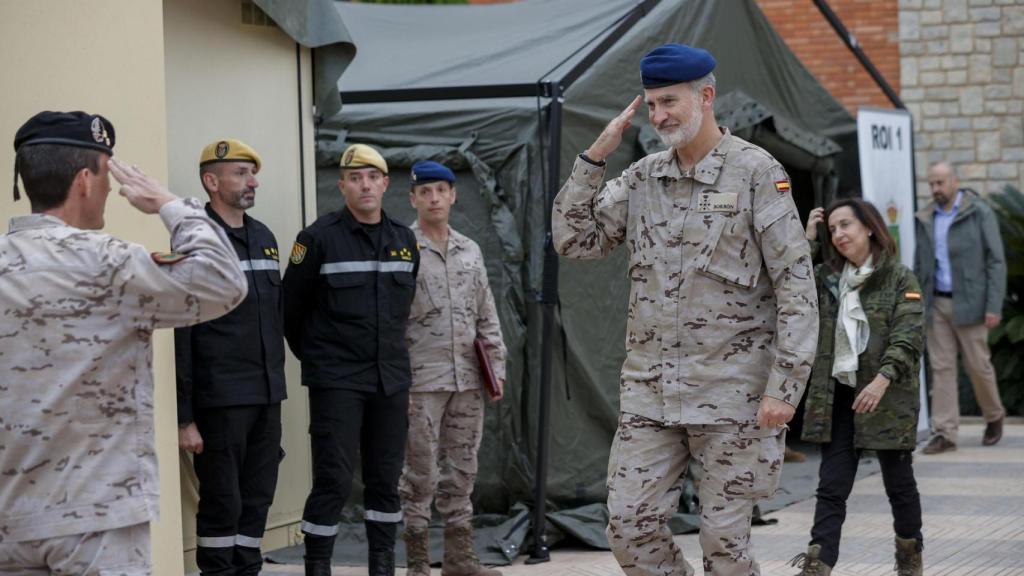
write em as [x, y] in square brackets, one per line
[207, 168]
[952, 168]
[49, 169]
[706, 80]
[880, 241]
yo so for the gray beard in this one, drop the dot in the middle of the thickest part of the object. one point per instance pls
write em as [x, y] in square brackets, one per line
[683, 135]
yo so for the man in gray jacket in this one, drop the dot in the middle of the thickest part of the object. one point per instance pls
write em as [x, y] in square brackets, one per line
[962, 270]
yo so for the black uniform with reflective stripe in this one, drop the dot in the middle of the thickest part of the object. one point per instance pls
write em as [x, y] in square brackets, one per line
[347, 303]
[237, 359]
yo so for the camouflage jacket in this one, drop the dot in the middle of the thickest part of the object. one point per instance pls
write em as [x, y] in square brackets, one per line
[453, 305]
[722, 307]
[77, 312]
[892, 301]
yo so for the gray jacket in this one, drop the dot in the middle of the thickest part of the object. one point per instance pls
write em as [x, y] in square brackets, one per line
[975, 256]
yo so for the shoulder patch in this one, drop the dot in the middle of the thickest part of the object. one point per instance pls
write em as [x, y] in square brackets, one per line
[782, 186]
[298, 253]
[167, 257]
[912, 295]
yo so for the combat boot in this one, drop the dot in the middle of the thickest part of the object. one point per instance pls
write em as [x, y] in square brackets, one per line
[459, 557]
[908, 557]
[809, 563]
[417, 551]
[382, 563]
[318, 567]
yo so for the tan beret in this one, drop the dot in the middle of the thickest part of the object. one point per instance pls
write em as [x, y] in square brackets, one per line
[363, 156]
[229, 150]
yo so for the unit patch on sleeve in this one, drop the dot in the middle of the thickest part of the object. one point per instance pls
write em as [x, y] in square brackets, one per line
[298, 253]
[167, 257]
[782, 186]
[912, 295]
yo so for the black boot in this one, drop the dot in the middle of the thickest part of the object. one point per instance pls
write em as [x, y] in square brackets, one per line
[382, 563]
[318, 567]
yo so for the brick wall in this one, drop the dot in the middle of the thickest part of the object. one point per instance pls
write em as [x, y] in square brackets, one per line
[963, 80]
[875, 24]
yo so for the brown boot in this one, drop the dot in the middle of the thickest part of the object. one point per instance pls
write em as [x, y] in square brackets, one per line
[810, 564]
[908, 557]
[937, 445]
[459, 557]
[792, 455]
[417, 551]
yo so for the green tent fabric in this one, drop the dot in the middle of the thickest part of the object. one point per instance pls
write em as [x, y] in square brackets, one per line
[497, 147]
[316, 24]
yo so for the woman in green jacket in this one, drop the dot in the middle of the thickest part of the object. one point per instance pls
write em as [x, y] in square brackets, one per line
[863, 392]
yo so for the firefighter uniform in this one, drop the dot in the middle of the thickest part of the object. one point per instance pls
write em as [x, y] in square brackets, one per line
[348, 289]
[231, 384]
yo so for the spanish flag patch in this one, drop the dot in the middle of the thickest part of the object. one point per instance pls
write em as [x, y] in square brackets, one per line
[782, 186]
[912, 295]
[298, 253]
[167, 257]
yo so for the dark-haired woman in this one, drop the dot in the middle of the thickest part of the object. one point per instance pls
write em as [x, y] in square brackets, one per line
[863, 391]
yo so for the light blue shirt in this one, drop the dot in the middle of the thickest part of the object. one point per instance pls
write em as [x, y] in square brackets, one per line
[943, 219]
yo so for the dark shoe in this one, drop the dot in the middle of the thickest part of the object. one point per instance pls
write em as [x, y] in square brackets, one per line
[382, 563]
[908, 557]
[937, 445]
[993, 432]
[809, 563]
[417, 551]
[318, 567]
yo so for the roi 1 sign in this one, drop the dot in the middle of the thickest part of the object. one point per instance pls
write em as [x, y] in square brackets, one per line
[885, 142]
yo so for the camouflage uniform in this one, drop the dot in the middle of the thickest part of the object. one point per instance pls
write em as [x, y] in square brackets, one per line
[722, 311]
[79, 308]
[453, 306]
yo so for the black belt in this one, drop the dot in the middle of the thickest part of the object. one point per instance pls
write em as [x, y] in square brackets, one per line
[943, 294]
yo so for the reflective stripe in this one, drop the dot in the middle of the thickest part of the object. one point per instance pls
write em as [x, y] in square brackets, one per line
[216, 541]
[264, 264]
[391, 517]
[248, 541]
[365, 266]
[317, 529]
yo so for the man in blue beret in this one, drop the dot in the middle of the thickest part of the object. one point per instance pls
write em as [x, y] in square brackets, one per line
[77, 313]
[452, 308]
[722, 320]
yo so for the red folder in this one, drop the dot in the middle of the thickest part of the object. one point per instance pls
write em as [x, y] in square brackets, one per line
[490, 382]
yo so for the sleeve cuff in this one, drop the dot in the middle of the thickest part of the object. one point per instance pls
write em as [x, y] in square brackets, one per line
[587, 174]
[175, 211]
[781, 387]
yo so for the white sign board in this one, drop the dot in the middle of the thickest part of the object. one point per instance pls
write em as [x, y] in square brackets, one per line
[886, 144]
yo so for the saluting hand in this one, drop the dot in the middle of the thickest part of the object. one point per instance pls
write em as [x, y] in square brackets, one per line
[143, 192]
[817, 216]
[611, 136]
[871, 395]
[190, 440]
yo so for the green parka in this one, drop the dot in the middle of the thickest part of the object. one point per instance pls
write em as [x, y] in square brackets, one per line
[891, 299]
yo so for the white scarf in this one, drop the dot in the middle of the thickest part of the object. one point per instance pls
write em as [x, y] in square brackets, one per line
[852, 330]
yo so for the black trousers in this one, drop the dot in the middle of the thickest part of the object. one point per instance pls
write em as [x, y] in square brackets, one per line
[839, 460]
[237, 473]
[344, 424]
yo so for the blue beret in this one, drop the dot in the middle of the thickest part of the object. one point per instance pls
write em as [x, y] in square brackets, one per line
[674, 63]
[428, 171]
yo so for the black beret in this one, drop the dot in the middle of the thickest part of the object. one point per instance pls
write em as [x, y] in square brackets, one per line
[674, 63]
[429, 171]
[78, 129]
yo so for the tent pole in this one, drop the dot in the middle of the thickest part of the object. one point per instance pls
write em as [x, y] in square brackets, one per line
[539, 552]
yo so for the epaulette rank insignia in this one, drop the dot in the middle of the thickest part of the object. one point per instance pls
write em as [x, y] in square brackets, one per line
[167, 257]
[912, 295]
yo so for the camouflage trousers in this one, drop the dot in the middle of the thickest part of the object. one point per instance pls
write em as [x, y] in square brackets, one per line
[739, 464]
[440, 456]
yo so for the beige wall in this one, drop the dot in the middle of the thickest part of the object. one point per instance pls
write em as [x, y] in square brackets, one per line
[229, 80]
[103, 56]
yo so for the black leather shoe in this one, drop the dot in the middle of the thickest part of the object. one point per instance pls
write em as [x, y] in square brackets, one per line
[993, 432]
[382, 563]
